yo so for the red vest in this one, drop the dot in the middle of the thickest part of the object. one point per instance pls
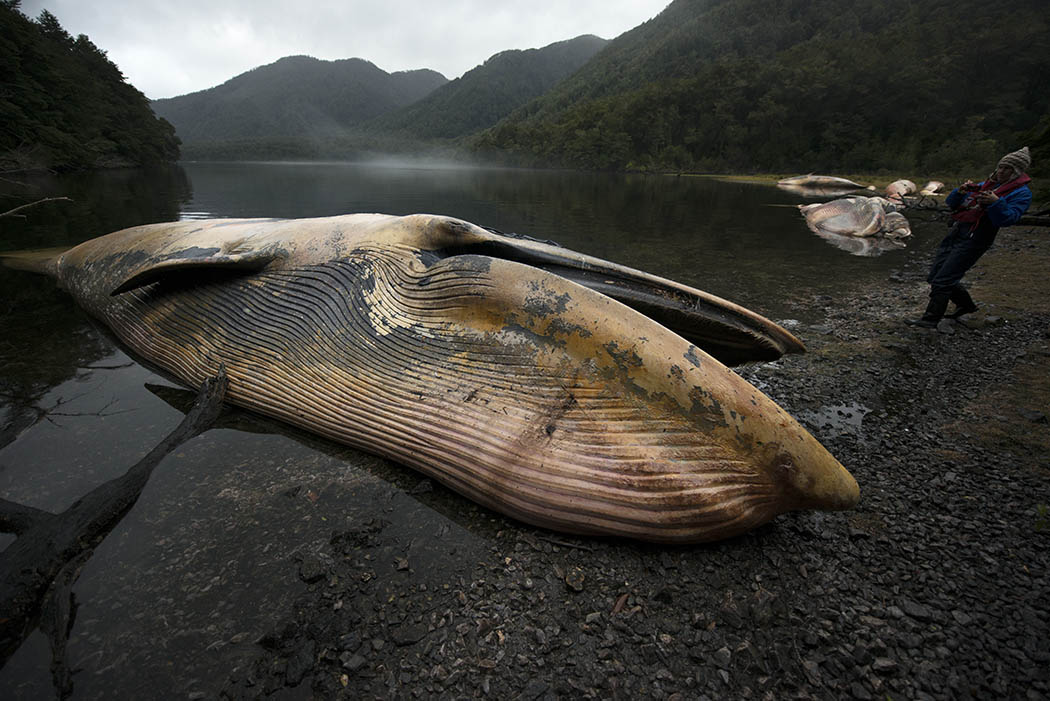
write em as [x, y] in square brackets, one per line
[970, 211]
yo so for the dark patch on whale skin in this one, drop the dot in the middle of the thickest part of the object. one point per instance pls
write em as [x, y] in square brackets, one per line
[558, 325]
[545, 303]
[428, 258]
[691, 356]
[539, 339]
[195, 252]
[625, 359]
[706, 409]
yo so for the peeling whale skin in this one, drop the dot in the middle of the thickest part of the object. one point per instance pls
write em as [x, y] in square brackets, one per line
[512, 371]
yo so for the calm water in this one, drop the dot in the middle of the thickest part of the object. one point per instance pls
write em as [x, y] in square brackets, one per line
[206, 560]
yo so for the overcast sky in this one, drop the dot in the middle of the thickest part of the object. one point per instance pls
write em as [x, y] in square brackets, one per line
[173, 47]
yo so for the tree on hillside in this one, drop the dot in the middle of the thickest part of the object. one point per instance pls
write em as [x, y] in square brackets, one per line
[796, 85]
[64, 105]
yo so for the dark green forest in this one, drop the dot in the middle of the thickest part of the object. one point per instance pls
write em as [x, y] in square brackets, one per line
[65, 106]
[775, 86]
[298, 106]
[486, 94]
[798, 85]
[301, 107]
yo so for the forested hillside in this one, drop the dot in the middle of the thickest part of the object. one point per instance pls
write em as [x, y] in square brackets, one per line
[65, 106]
[486, 94]
[797, 85]
[291, 107]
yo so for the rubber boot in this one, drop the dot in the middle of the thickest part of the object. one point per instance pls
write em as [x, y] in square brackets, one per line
[934, 311]
[963, 302]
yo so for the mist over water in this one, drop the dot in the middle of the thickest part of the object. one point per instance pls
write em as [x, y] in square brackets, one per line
[205, 561]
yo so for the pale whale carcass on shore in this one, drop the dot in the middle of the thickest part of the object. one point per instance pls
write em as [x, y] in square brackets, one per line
[848, 216]
[899, 188]
[858, 217]
[933, 187]
[512, 371]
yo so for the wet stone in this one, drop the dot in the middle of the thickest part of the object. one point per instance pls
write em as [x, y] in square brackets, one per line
[300, 663]
[917, 611]
[350, 641]
[409, 634]
[352, 662]
[533, 690]
[860, 691]
[311, 569]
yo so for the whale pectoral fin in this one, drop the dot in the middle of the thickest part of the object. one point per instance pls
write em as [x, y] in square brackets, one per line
[193, 260]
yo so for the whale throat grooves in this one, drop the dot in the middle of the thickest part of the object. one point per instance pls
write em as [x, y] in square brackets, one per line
[436, 365]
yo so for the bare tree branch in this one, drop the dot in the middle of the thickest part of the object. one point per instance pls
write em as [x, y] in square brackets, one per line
[50, 549]
[12, 212]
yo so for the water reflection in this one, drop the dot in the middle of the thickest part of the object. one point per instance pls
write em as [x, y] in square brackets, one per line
[34, 314]
[867, 246]
[815, 192]
[722, 237]
[101, 202]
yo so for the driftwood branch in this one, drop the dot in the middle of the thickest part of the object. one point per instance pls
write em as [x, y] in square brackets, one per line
[41, 565]
[13, 212]
[18, 518]
[57, 615]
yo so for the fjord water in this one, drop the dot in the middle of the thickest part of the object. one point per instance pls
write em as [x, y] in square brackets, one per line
[208, 560]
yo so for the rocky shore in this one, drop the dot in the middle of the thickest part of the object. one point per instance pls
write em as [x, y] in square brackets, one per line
[935, 586]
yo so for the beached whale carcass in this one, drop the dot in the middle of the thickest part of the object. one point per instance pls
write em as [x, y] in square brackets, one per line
[818, 185]
[899, 188]
[858, 217]
[512, 371]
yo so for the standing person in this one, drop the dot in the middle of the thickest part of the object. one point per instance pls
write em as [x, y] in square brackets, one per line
[979, 211]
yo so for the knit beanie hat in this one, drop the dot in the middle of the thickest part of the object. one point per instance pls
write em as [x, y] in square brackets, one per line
[1018, 160]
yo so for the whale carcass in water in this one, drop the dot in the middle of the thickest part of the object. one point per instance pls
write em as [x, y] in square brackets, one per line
[828, 182]
[818, 185]
[515, 372]
[845, 220]
[848, 216]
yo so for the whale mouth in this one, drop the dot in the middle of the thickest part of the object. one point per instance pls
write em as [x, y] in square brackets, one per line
[730, 333]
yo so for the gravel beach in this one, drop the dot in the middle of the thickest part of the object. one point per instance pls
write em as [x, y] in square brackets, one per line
[935, 586]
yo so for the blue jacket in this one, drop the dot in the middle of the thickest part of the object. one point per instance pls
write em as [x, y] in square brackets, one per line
[1006, 211]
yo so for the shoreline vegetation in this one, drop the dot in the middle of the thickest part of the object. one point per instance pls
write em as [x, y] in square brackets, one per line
[747, 85]
[65, 106]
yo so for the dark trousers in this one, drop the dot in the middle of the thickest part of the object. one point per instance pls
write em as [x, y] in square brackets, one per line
[956, 254]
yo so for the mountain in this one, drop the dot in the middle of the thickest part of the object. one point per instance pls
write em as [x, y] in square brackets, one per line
[297, 98]
[796, 85]
[65, 106]
[490, 91]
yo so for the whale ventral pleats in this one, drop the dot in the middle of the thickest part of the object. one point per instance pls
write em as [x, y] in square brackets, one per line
[557, 388]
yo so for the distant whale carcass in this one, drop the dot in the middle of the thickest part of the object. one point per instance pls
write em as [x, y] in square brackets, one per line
[818, 185]
[513, 371]
[899, 188]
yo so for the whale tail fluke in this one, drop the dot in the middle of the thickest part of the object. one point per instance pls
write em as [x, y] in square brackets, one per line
[43, 261]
